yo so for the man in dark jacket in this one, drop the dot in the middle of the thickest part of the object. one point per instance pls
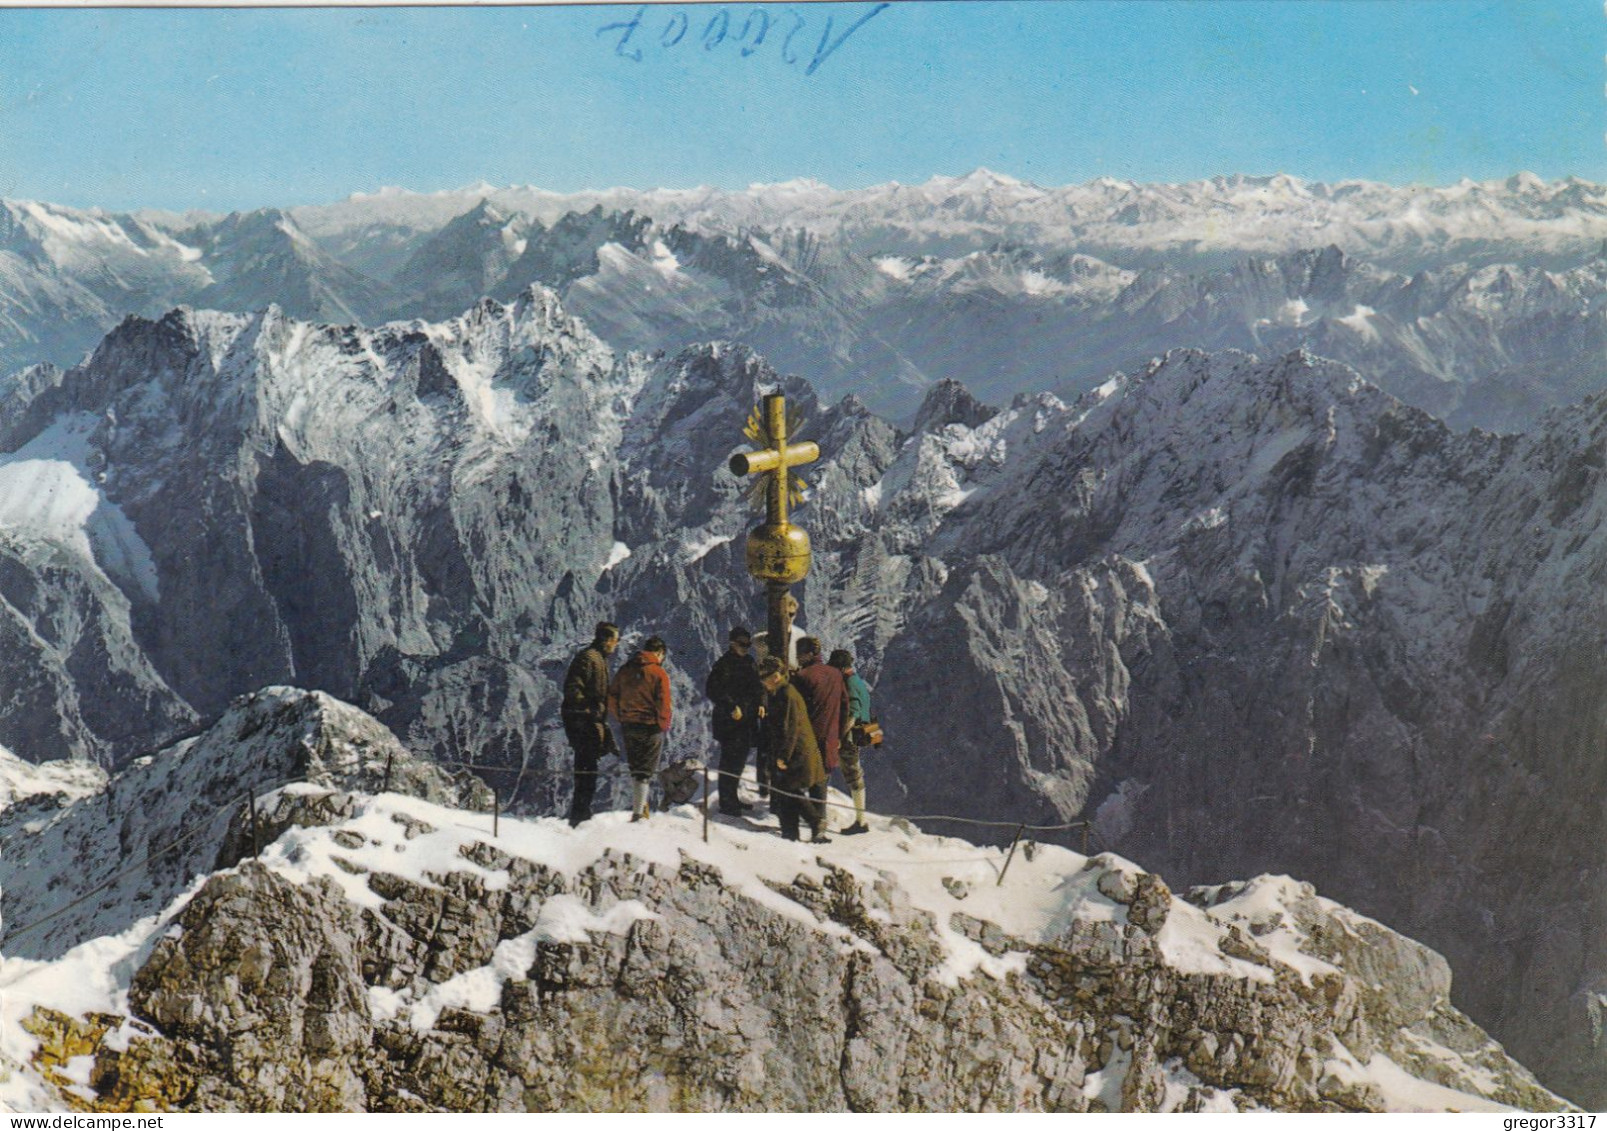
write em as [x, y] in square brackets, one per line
[733, 687]
[639, 697]
[585, 715]
[826, 696]
[787, 743]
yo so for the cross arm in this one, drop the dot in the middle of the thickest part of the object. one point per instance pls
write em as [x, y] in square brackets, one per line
[769, 459]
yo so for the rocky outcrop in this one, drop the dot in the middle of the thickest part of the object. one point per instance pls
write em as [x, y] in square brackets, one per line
[389, 957]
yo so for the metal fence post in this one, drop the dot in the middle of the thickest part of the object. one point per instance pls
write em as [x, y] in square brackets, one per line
[1011, 856]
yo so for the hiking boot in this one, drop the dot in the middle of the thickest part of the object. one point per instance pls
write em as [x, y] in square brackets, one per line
[854, 829]
[820, 838]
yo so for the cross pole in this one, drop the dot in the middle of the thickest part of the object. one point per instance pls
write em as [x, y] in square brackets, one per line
[777, 551]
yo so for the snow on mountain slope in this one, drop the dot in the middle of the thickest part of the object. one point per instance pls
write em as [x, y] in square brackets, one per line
[107, 251]
[21, 781]
[128, 844]
[262, 258]
[463, 262]
[287, 476]
[48, 490]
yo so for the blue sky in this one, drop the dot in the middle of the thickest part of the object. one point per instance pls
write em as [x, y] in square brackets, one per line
[234, 108]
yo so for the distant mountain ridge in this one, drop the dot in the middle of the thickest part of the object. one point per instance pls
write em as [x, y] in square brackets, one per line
[1479, 302]
[1224, 216]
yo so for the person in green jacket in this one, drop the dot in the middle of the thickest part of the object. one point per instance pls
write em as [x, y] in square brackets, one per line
[787, 743]
[848, 753]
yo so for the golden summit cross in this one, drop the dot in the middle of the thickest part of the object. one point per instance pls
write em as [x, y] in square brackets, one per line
[778, 551]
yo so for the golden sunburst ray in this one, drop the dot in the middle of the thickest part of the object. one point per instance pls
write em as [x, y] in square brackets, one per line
[755, 430]
[757, 493]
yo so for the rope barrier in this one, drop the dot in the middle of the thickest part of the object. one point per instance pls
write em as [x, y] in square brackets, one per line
[11, 933]
[153, 854]
[614, 772]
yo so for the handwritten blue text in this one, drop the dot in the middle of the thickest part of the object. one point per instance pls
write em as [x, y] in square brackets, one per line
[788, 32]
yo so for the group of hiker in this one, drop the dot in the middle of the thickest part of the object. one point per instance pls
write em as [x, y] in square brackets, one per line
[804, 722]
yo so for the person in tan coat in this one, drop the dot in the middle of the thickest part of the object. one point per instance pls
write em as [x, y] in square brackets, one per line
[787, 743]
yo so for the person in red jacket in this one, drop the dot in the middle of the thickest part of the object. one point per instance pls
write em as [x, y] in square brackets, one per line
[826, 697]
[639, 697]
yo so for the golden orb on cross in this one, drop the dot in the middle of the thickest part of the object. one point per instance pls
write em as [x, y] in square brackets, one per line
[777, 550]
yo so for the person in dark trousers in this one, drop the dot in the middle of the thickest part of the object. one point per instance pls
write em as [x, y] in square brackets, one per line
[848, 756]
[826, 697]
[585, 716]
[734, 689]
[787, 743]
[639, 697]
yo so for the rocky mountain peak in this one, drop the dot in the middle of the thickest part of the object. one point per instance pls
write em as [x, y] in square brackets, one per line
[172, 812]
[950, 402]
[467, 259]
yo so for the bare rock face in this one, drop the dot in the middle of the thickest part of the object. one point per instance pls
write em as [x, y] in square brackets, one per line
[234, 986]
[318, 980]
[1007, 695]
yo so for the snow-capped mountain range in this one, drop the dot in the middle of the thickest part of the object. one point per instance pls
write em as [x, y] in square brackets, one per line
[1479, 302]
[1225, 216]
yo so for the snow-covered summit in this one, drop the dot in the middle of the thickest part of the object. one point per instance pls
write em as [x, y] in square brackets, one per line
[385, 952]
